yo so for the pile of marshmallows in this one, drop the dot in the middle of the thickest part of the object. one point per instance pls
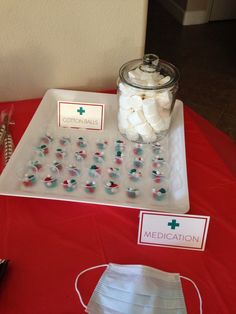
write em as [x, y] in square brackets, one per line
[144, 113]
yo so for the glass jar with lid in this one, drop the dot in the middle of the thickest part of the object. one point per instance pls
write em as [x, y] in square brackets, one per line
[147, 91]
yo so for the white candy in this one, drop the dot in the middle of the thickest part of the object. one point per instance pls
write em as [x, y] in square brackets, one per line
[136, 118]
[123, 114]
[152, 119]
[162, 124]
[164, 80]
[144, 129]
[151, 138]
[164, 99]
[131, 134]
[125, 102]
[150, 107]
[136, 102]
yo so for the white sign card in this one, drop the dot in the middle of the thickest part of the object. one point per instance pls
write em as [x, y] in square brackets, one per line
[81, 115]
[173, 230]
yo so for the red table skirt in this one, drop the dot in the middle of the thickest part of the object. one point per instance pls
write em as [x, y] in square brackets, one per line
[50, 242]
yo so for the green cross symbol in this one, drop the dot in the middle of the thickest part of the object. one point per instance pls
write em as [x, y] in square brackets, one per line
[81, 110]
[173, 224]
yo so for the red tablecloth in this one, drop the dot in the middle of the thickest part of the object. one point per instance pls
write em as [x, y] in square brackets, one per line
[50, 242]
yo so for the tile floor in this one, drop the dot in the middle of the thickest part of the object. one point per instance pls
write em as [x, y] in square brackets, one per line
[206, 58]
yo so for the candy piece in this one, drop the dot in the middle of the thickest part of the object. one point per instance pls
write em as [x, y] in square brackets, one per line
[36, 164]
[90, 186]
[119, 145]
[157, 176]
[47, 139]
[150, 107]
[56, 166]
[138, 149]
[50, 181]
[29, 180]
[81, 142]
[156, 148]
[138, 162]
[136, 102]
[125, 102]
[101, 145]
[113, 172]
[158, 161]
[118, 157]
[81, 155]
[69, 185]
[60, 153]
[159, 194]
[136, 118]
[134, 175]
[42, 150]
[98, 157]
[111, 187]
[64, 141]
[73, 171]
[132, 192]
[164, 99]
[94, 171]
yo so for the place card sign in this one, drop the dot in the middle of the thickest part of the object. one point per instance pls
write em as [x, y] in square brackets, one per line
[173, 230]
[81, 115]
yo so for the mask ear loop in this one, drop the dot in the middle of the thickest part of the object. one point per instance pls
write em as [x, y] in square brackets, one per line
[79, 275]
[198, 292]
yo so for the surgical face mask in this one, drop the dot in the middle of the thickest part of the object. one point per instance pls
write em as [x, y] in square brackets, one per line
[136, 289]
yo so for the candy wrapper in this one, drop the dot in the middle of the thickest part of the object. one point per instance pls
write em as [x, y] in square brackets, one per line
[6, 140]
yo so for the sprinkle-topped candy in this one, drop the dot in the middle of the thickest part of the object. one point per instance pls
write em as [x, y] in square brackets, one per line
[119, 157]
[138, 162]
[81, 155]
[42, 150]
[90, 186]
[81, 142]
[113, 172]
[64, 141]
[29, 180]
[111, 187]
[69, 185]
[156, 148]
[159, 194]
[36, 164]
[94, 171]
[138, 149]
[157, 176]
[158, 161]
[56, 166]
[132, 192]
[119, 145]
[98, 157]
[73, 171]
[60, 153]
[134, 175]
[101, 145]
[47, 139]
[50, 181]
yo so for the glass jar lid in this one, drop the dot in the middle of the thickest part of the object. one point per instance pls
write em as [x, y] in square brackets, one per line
[149, 73]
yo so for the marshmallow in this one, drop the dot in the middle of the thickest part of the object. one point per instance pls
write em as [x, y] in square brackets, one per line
[136, 118]
[125, 102]
[131, 134]
[136, 102]
[162, 124]
[152, 119]
[164, 99]
[164, 80]
[123, 114]
[149, 138]
[144, 129]
[150, 107]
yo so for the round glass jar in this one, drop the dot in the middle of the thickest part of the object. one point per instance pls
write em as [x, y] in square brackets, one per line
[147, 91]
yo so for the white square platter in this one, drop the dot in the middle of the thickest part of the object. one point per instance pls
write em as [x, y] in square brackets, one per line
[44, 122]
